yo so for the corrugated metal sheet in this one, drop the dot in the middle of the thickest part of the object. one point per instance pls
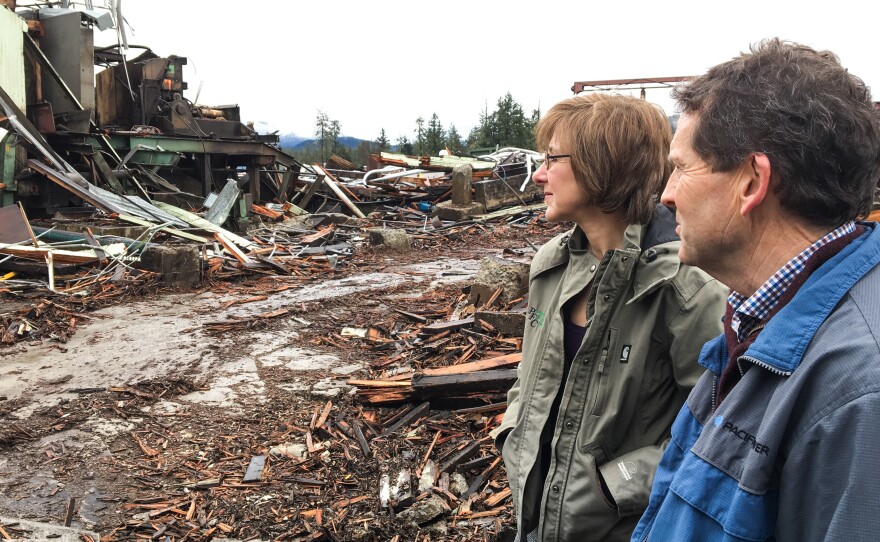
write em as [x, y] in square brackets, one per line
[12, 28]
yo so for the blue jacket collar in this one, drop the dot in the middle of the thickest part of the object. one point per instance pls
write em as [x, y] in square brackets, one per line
[782, 343]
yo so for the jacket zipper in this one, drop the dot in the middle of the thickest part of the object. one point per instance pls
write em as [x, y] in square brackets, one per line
[763, 365]
[602, 370]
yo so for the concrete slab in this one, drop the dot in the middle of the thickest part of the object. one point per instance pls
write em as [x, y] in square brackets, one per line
[33, 531]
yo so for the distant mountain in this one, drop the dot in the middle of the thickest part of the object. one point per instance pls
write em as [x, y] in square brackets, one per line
[290, 141]
[297, 143]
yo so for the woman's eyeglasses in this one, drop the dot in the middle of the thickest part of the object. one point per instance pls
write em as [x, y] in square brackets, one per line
[553, 158]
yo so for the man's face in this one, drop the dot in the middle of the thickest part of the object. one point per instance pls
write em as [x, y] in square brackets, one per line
[705, 203]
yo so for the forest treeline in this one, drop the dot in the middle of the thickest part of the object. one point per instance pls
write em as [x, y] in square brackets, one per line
[506, 126]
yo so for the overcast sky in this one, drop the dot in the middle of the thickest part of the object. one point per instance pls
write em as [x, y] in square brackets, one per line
[382, 64]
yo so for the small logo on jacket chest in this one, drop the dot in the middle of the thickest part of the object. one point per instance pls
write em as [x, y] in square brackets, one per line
[743, 435]
[535, 317]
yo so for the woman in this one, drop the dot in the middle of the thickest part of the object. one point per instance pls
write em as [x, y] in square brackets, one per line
[614, 327]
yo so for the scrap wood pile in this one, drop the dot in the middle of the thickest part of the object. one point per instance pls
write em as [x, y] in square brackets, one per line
[54, 276]
[401, 180]
[319, 471]
[449, 350]
[334, 476]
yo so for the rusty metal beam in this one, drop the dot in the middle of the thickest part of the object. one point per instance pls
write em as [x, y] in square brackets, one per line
[611, 84]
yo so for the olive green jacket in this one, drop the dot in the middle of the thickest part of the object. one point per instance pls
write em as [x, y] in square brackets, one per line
[638, 361]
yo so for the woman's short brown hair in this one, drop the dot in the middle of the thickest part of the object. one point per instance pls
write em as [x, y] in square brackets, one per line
[619, 148]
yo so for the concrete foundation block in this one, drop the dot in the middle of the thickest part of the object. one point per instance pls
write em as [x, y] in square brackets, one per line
[390, 239]
[512, 276]
[447, 210]
[180, 267]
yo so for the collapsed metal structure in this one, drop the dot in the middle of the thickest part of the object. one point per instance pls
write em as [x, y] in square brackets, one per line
[129, 130]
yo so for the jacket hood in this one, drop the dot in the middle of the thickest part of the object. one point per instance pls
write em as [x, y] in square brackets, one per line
[782, 343]
[655, 244]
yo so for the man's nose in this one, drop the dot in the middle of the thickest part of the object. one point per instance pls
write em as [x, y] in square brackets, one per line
[667, 198]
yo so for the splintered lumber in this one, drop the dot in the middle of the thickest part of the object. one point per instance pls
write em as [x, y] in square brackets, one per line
[62, 256]
[232, 249]
[497, 498]
[459, 457]
[169, 230]
[457, 384]
[255, 469]
[362, 441]
[319, 236]
[324, 413]
[340, 193]
[473, 366]
[481, 479]
[265, 211]
[313, 188]
[411, 316]
[440, 327]
[69, 511]
[198, 222]
[411, 417]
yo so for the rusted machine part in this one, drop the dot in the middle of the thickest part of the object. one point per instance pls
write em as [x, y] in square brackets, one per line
[207, 112]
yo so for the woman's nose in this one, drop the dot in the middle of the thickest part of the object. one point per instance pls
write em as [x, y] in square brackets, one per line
[540, 175]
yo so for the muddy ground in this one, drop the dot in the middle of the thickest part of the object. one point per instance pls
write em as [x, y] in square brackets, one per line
[150, 396]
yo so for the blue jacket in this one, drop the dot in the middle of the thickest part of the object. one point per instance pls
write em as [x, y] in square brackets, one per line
[791, 454]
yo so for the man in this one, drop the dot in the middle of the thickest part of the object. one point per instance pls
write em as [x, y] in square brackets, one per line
[777, 154]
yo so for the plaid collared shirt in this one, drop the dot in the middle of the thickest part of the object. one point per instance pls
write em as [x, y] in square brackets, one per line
[748, 313]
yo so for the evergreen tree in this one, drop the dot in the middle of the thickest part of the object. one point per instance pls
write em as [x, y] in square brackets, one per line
[404, 146]
[361, 153]
[434, 136]
[453, 140]
[507, 126]
[322, 129]
[511, 126]
[421, 143]
[381, 143]
[334, 136]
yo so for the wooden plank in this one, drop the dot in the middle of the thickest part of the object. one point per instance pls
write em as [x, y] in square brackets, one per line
[169, 230]
[322, 419]
[265, 211]
[62, 256]
[198, 222]
[473, 366]
[313, 188]
[340, 193]
[411, 417]
[232, 249]
[499, 380]
[362, 441]
[512, 211]
[453, 325]
[481, 479]
[377, 383]
[255, 469]
[69, 511]
[459, 457]
[319, 236]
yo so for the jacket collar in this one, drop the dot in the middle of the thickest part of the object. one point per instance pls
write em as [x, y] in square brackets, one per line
[782, 343]
[654, 244]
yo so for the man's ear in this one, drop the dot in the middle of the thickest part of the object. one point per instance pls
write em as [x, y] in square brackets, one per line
[755, 182]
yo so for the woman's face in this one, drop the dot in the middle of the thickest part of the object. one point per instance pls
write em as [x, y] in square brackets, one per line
[566, 201]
